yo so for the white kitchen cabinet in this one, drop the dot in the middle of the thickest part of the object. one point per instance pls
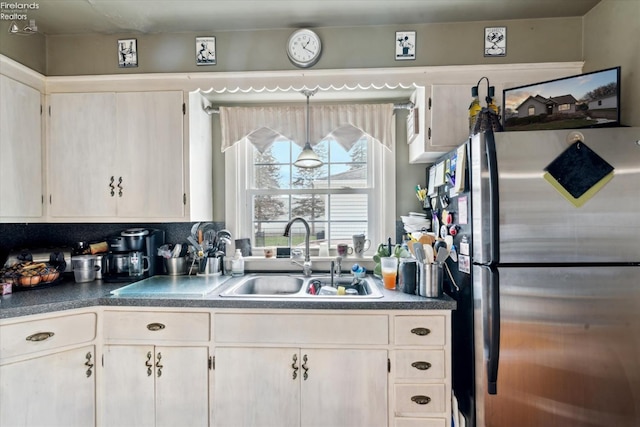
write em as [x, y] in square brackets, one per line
[82, 155]
[47, 370]
[155, 368]
[57, 389]
[116, 156]
[21, 191]
[296, 369]
[155, 386]
[444, 98]
[300, 387]
[443, 124]
[420, 386]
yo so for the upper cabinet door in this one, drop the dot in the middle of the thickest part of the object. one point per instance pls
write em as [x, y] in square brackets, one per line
[81, 155]
[150, 135]
[21, 148]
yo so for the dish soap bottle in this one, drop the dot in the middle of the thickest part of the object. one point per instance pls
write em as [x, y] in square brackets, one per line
[237, 264]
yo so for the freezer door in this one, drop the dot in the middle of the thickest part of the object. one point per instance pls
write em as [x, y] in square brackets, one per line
[536, 223]
[569, 347]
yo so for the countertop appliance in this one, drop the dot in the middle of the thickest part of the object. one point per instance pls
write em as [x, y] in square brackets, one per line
[116, 261]
[547, 330]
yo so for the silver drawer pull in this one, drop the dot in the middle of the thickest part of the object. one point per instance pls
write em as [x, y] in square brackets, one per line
[155, 326]
[422, 366]
[40, 336]
[421, 400]
[421, 331]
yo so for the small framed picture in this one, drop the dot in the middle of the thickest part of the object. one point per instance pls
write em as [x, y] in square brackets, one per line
[205, 51]
[405, 45]
[495, 41]
[127, 53]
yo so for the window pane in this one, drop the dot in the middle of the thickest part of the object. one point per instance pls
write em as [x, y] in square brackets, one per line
[278, 152]
[270, 234]
[270, 208]
[310, 178]
[348, 176]
[310, 207]
[271, 176]
[349, 216]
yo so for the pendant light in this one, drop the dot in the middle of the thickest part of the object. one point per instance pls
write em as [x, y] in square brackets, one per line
[308, 159]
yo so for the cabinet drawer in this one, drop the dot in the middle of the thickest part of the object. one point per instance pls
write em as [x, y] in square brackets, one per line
[156, 326]
[300, 329]
[45, 334]
[420, 422]
[419, 364]
[410, 397]
[420, 330]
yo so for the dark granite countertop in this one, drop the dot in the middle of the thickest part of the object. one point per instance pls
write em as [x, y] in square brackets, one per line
[70, 295]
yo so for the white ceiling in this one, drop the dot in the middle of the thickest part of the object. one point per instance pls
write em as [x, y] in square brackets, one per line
[156, 16]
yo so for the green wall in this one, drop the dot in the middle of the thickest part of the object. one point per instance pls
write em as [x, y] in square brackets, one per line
[611, 38]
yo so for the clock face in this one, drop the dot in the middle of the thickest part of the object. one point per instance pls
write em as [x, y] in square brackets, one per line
[304, 48]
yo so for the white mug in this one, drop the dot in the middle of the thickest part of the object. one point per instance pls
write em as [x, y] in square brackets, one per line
[360, 244]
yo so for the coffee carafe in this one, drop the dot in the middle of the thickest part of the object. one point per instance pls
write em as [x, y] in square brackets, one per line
[115, 264]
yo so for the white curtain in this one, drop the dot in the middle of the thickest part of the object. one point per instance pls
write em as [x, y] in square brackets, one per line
[345, 123]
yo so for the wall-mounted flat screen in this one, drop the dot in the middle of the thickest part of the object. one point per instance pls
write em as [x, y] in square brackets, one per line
[581, 101]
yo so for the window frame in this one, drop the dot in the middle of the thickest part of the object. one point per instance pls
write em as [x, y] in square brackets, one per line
[380, 167]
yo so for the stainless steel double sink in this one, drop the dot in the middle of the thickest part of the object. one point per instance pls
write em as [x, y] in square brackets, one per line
[263, 285]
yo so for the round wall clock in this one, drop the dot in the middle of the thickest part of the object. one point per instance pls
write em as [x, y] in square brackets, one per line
[304, 48]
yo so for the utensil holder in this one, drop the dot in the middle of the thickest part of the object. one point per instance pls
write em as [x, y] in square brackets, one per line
[176, 266]
[430, 284]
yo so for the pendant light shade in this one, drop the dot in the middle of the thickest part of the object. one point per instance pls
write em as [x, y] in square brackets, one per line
[308, 159]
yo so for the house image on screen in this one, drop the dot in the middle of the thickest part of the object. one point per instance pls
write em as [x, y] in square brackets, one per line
[604, 103]
[536, 105]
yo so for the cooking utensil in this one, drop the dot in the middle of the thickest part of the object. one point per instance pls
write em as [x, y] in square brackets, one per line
[439, 244]
[175, 252]
[428, 251]
[442, 255]
[419, 253]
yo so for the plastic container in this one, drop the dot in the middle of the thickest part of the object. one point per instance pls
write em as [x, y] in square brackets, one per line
[237, 264]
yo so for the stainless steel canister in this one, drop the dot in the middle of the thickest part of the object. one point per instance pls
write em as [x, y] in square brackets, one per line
[430, 280]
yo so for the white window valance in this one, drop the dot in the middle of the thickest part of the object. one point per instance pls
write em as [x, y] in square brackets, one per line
[345, 123]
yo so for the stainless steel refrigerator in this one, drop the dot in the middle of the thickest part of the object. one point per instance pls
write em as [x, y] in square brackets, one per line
[554, 287]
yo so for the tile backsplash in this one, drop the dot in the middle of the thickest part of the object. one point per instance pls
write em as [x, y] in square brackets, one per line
[44, 235]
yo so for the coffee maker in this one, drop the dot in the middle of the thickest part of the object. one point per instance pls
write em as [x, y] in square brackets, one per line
[131, 242]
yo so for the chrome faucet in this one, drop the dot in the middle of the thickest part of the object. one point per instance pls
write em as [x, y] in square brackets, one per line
[306, 266]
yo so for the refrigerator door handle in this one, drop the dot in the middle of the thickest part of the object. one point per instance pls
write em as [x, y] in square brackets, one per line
[494, 207]
[492, 331]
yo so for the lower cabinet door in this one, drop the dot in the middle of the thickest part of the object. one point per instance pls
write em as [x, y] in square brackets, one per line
[344, 387]
[155, 386]
[58, 389]
[257, 387]
[182, 386]
[128, 379]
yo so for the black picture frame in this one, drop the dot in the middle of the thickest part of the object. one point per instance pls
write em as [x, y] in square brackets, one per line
[586, 100]
[205, 51]
[405, 43]
[127, 53]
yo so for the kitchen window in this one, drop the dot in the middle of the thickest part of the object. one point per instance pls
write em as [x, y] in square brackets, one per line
[347, 195]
